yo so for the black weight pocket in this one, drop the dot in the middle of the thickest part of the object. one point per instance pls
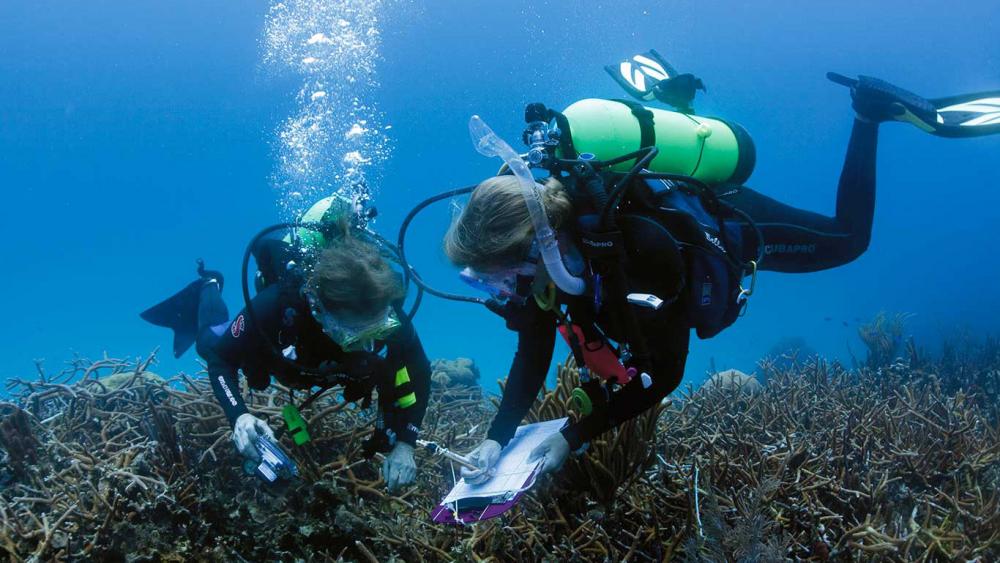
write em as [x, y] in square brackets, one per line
[713, 301]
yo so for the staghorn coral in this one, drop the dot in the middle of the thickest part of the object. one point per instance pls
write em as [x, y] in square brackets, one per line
[752, 537]
[970, 364]
[788, 351]
[821, 464]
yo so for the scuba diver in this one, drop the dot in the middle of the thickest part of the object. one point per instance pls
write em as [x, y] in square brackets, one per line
[644, 230]
[328, 311]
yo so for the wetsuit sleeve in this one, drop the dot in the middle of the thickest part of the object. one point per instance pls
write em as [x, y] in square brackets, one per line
[668, 343]
[536, 336]
[411, 385]
[227, 348]
[225, 386]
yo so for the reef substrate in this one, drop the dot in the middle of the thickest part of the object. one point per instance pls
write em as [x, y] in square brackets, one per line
[106, 461]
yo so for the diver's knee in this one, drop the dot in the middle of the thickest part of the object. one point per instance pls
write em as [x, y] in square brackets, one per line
[212, 309]
[205, 342]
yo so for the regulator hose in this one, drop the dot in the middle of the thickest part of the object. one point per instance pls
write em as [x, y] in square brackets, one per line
[409, 271]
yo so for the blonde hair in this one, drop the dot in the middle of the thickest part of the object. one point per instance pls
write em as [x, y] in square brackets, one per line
[495, 230]
[352, 276]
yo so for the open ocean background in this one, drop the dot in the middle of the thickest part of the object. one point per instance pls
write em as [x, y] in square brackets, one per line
[136, 137]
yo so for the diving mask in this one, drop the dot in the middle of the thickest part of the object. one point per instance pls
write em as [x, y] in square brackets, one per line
[515, 283]
[352, 333]
[502, 285]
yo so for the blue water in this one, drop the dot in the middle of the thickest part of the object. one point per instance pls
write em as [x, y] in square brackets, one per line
[136, 137]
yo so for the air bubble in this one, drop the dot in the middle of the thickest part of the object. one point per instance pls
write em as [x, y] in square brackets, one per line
[336, 140]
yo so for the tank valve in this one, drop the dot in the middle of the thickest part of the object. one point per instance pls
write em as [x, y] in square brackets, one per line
[541, 138]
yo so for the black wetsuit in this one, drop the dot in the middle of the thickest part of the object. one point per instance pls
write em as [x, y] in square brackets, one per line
[796, 241]
[237, 345]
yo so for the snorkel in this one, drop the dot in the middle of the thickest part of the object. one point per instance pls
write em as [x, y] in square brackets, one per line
[487, 143]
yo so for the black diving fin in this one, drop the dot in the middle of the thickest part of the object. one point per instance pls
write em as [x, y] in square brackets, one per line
[179, 312]
[969, 115]
[649, 76]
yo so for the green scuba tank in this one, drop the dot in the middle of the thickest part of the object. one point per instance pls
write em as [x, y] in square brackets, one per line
[325, 215]
[708, 149]
[327, 211]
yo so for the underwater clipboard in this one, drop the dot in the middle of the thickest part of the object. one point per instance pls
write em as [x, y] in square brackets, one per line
[470, 511]
[468, 504]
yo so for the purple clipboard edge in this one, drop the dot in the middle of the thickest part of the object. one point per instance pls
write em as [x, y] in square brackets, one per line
[443, 514]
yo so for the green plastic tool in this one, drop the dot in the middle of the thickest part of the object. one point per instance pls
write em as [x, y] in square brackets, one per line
[296, 424]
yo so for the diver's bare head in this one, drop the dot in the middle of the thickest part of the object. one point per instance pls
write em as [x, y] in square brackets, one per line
[495, 230]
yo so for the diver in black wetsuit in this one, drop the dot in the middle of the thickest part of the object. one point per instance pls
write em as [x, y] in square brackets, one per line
[797, 241]
[493, 239]
[344, 319]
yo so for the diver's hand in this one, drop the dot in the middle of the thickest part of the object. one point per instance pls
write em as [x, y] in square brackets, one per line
[553, 451]
[245, 433]
[398, 468]
[484, 457]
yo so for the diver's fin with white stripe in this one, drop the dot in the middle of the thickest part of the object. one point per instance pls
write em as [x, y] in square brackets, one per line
[649, 76]
[969, 115]
[639, 74]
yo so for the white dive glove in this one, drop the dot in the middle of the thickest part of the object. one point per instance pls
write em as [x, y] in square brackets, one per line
[245, 432]
[484, 457]
[398, 468]
[553, 450]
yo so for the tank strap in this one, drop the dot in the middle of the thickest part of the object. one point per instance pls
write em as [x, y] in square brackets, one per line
[647, 129]
[566, 140]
